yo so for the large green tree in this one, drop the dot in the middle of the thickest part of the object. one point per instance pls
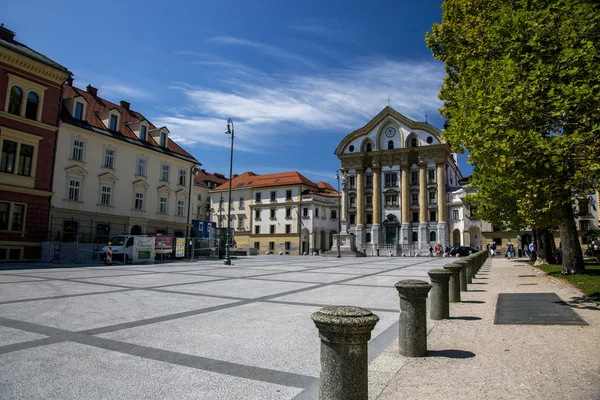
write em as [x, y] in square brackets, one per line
[522, 95]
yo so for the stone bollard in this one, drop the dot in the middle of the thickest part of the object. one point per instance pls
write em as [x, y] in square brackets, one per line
[344, 332]
[439, 307]
[454, 284]
[463, 275]
[412, 338]
[471, 263]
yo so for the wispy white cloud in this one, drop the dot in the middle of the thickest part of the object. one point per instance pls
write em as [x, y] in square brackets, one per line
[270, 50]
[109, 87]
[126, 91]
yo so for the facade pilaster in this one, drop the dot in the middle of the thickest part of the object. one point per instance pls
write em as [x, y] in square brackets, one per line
[442, 227]
[423, 239]
[405, 235]
[376, 227]
[360, 207]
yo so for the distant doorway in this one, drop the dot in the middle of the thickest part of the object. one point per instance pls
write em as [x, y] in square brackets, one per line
[136, 230]
[390, 228]
[456, 238]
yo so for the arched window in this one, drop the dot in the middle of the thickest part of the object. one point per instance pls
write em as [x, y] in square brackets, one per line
[16, 97]
[369, 147]
[413, 142]
[32, 106]
[432, 237]
[415, 237]
[390, 144]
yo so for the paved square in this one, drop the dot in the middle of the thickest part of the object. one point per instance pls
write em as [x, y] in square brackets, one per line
[186, 330]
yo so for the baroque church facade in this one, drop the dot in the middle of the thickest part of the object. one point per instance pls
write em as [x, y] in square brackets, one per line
[396, 176]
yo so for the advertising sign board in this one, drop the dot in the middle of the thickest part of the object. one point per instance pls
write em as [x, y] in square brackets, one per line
[180, 247]
[143, 250]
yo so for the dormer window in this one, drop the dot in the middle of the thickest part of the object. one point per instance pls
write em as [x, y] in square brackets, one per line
[78, 110]
[113, 122]
[163, 139]
[413, 142]
[143, 131]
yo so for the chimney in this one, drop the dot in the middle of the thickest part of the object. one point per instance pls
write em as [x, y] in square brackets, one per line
[125, 104]
[92, 90]
[6, 34]
[70, 80]
[234, 176]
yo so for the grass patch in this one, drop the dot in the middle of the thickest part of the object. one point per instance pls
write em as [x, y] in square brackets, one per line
[588, 283]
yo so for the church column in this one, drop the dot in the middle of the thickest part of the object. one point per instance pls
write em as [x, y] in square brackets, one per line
[376, 227]
[360, 207]
[423, 239]
[344, 199]
[442, 227]
[405, 231]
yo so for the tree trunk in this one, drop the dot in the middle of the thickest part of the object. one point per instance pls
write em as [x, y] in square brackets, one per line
[572, 261]
[544, 246]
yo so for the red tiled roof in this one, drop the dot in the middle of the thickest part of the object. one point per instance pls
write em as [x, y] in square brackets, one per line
[97, 105]
[203, 178]
[252, 180]
[325, 185]
[244, 180]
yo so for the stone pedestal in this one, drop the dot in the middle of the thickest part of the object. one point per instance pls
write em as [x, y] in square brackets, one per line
[442, 234]
[344, 332]
[439, 306]
[463, 275]
[360, 235]
[347, 242]
[423, 237]
[375, 234]
[405, 234]
[412, 338]
[454, 283]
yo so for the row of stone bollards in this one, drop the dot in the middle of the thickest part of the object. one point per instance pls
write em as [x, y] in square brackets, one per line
[345, 330]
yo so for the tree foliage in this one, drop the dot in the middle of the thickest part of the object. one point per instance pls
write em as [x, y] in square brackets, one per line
[522, 95]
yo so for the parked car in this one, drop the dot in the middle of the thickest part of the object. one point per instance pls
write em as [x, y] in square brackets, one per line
[462, 251]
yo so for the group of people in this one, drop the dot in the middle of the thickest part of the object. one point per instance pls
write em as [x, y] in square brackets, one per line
[491, 248]
[438, 250]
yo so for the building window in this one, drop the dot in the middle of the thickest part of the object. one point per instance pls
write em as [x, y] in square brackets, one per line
[180, 208]
[369, 181]
[105, 196]
[352, 182]
[369, 200]
[31, 108]
[272, 229]
[9, 155]
[257, 245]
[78, 110]
[163, 139]
[369, 147]
[413, 142]
[414, 178]
[352, 218]
[288, 246]
[352, 201]
[198, 211]
[141, 166]
[271, 246]
[109, 158]
[164, 173]
[257, 229]
[455, 214]
[199, 197]
[431, 176]
[78, 147]
[272, 213]
[390, 145]
[74, 189]
[432, 236]
[414, 198]
[288, 212]
[241, 203]
[369, 219]
[25, 160]
[415, 237]
[182, 177]
[432, 216]
[333, 214]
[16, 98]
[143, 131]
[391, 200]
[432, 198]
[584, 225]
[240, 225]
[113, 122]
[162, 204]
[305, 212]
[583, 206]
[273, 196]
[288, 228]
[288, 194]
[258, 197]
[368, 237]
[316, 212]
[12, 217]
[257, 214]
[139, 201]
[415, 217]
[391, 179]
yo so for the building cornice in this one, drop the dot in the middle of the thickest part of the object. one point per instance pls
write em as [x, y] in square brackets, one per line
[28, 121]
[20, 189]
[34, 67]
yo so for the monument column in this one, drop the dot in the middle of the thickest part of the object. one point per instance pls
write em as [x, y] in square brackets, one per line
[423, 239]
[376, 227]
[360, 207]
[442, 227]
[405, 203]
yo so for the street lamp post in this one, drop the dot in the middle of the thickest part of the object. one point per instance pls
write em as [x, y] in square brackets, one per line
[229, 131]
[339, 216]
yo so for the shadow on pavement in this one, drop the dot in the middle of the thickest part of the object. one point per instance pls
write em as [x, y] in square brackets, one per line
[473, 301]
[450, 353]
[466, 318]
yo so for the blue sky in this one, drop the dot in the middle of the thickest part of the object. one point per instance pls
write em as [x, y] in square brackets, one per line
[295, 76]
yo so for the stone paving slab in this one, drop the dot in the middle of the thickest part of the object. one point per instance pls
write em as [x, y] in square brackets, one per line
[32, 290]
[245, 288]
[84, 372]
[534, 309]
[11, 336]
[147, 280]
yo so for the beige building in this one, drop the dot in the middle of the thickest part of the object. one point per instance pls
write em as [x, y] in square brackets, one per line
[279, 213]
[116, 173]
[396, 175]
[204, 182]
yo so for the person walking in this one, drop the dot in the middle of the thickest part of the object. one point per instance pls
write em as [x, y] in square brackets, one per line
[532, 252]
